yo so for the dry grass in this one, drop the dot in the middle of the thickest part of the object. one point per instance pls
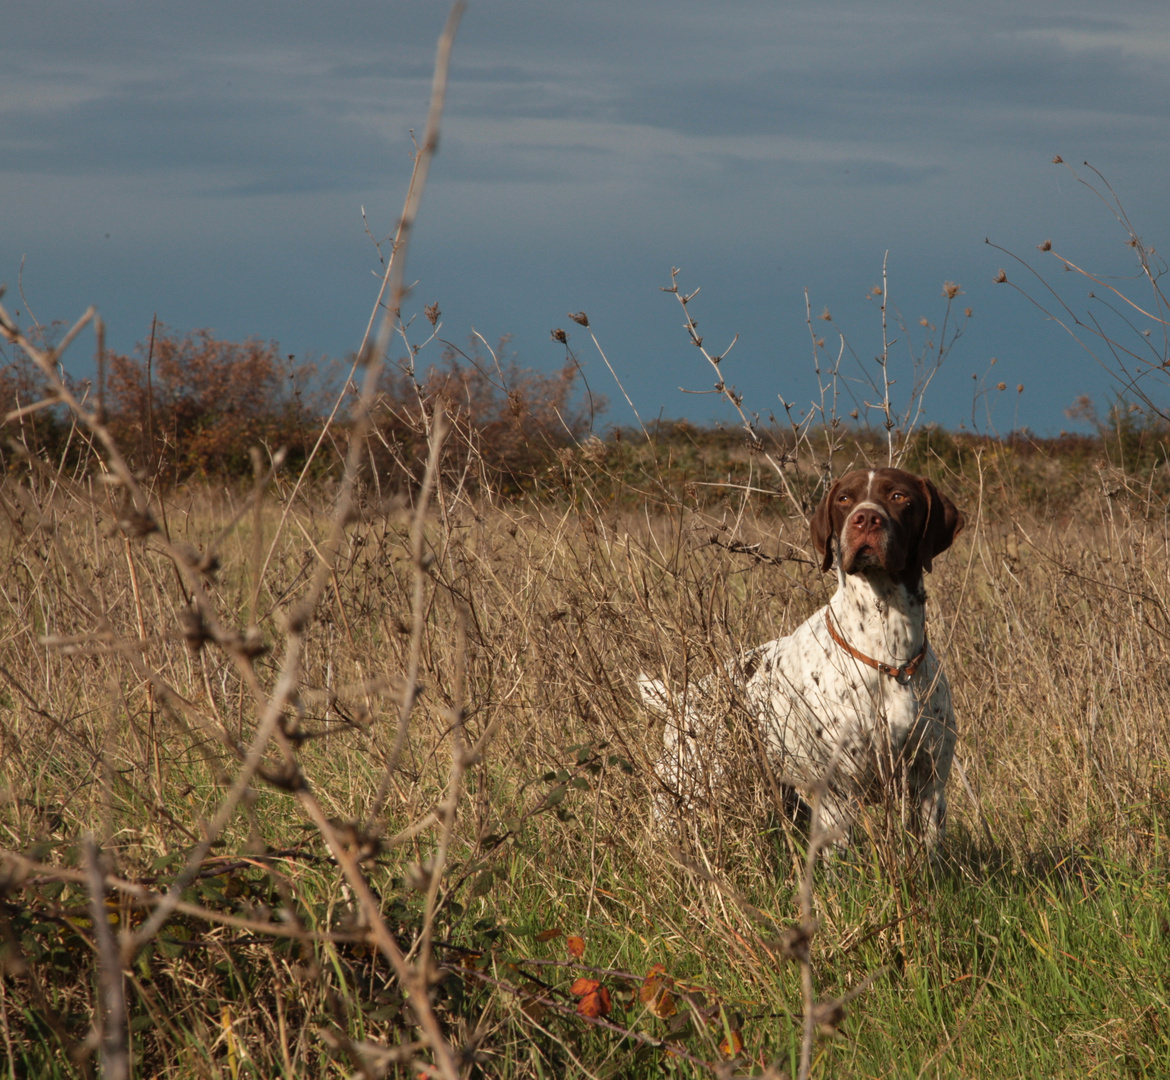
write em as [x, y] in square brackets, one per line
[121, 721]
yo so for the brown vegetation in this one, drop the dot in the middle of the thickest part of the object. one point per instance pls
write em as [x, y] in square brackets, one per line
[194, 406]
[510, 423]
[126, 716]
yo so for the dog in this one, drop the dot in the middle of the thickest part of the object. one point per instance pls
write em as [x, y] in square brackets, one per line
[853, 705]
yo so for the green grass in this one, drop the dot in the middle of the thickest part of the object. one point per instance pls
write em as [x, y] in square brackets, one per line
[983, 968]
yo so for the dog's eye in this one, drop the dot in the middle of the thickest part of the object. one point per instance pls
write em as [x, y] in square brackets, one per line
[898, 496]
[844, 498]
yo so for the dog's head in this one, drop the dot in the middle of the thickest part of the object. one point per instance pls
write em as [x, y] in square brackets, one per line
[884, 519]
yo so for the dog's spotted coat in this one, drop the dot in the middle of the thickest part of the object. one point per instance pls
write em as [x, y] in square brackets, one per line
[829, 720]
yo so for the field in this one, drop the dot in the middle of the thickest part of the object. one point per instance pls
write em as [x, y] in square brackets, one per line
[283, 798]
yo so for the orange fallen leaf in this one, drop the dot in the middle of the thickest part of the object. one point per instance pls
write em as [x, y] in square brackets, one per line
[655, 993]
[663, 1005]
[583, 986]
[548, 935]
[732, 1044]
[596, 1003]
[576, 946]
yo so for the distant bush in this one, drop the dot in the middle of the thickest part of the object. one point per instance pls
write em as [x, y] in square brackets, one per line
[195, 405]
[1133, 439]
[42, 432]
[510, 423]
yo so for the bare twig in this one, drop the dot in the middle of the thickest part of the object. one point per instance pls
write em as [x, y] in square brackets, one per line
[726, 391]
[421, 564]
[115, 1057]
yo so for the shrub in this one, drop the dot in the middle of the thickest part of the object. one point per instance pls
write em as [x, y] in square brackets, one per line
[44, 432]
[509, 421]
[195, 405]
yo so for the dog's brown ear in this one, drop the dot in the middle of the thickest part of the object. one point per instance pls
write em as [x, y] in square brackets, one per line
[821, 526]
[943, 524]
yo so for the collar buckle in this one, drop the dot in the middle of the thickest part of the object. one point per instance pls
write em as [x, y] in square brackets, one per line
[901, 675]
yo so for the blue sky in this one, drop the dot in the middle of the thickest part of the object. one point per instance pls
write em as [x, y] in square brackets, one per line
[208, 162]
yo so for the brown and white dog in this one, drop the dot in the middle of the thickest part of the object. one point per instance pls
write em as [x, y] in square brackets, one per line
[853, 705]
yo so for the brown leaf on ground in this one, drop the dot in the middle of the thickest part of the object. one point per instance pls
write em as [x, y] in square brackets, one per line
[596, 1003]
[548, 935]
[576, 946]
[655, 993]
[732, 1044]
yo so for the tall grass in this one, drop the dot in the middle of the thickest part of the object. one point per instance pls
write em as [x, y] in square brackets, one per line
[1038, 944]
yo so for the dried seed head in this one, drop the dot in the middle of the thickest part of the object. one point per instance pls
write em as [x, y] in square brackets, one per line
[951, 289]
[828, 1015]
[1000, 278]
[290, 725]
[433, 314]
[1001, 386]
[1046, 246]
[298, 618]
[794, 942]
[580, 317]
[285, 776]
[561, 336]
[193, 628]
[137, 525]
[418, 876]
[1058, 160]
[251, 645]
[208, 564]
[826, 316]
[594, 450]
[363, 844]
[202, 562]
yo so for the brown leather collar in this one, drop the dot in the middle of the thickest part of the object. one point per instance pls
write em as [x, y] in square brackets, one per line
[901, 675]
